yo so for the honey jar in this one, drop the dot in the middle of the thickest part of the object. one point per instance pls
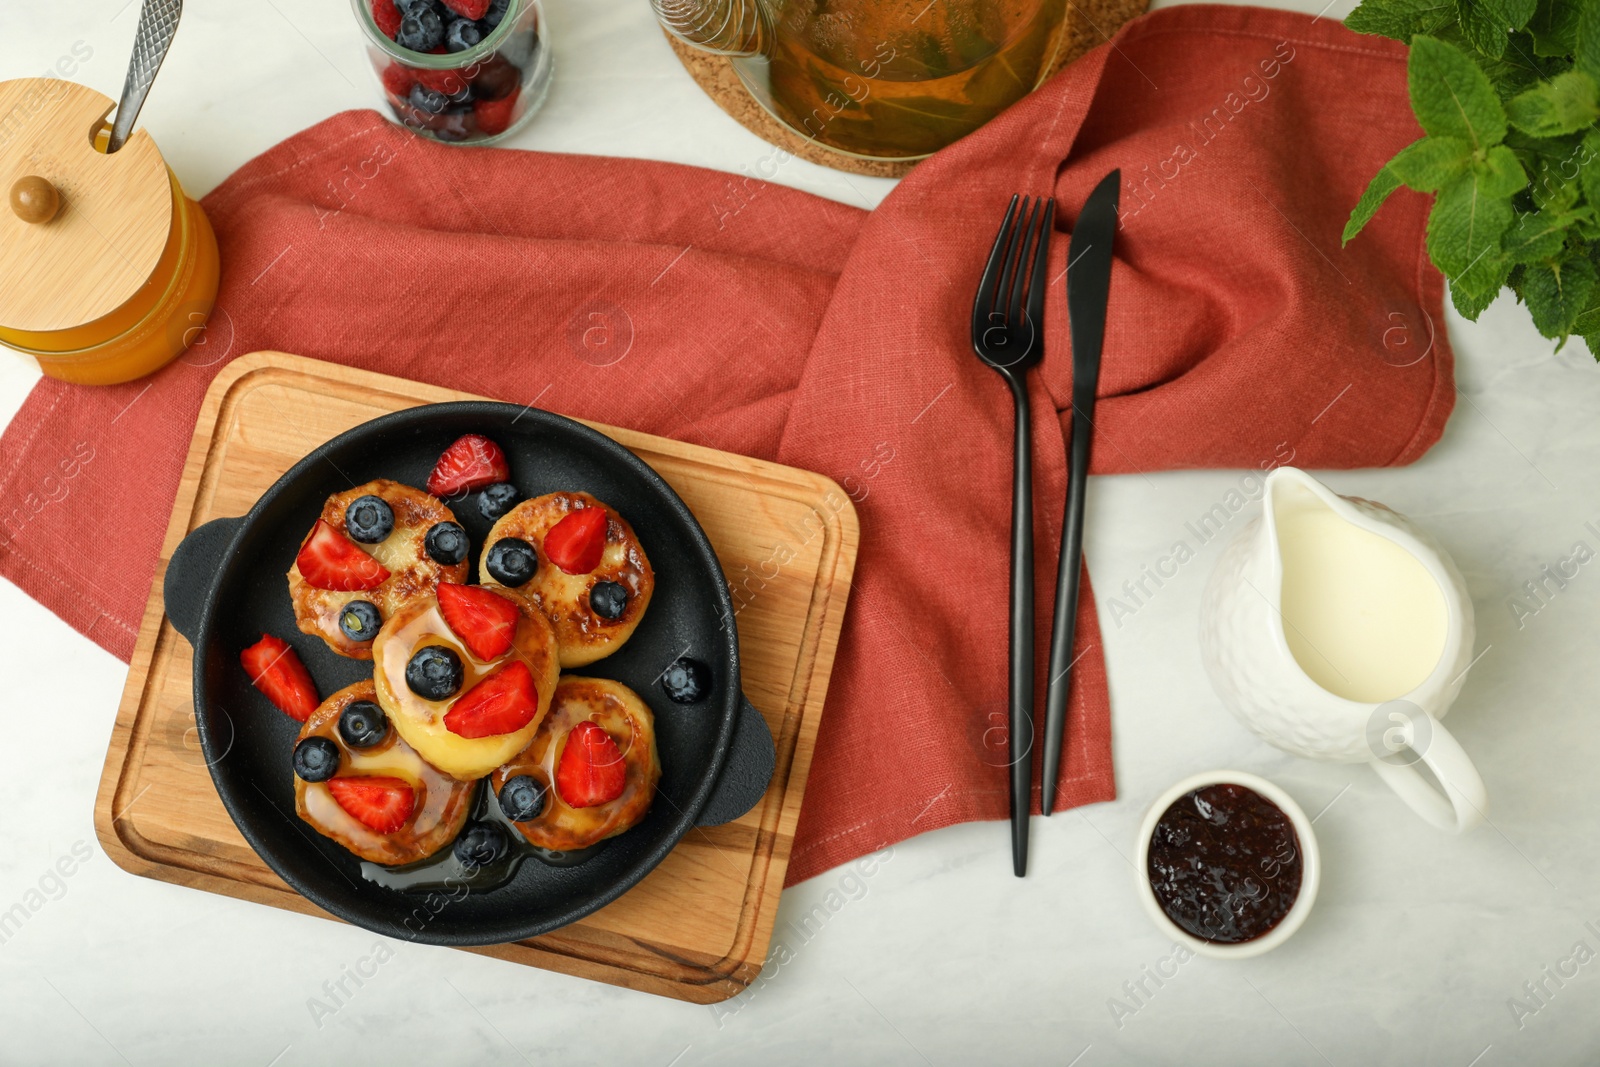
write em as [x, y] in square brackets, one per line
[108, 271]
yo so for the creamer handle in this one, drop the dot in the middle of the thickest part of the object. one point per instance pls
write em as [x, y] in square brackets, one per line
[1467, 799]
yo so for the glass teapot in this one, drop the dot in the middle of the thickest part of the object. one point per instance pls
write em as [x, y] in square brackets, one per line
[880, 79]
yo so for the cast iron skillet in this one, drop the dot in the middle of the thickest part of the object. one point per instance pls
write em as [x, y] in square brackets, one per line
[226, 586]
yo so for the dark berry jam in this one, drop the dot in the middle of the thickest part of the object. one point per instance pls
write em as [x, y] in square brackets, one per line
[1225, 863]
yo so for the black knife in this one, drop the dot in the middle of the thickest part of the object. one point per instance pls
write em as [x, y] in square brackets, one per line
[1088, 290]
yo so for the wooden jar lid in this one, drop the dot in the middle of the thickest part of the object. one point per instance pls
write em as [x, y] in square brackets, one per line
[88, 257]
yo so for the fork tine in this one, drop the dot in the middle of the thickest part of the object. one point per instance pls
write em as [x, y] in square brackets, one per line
[1016, 277]
[983, 303]
[1041, 269]
[1014, 263]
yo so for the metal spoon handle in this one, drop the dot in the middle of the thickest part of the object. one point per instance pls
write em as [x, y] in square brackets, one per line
[158, 24]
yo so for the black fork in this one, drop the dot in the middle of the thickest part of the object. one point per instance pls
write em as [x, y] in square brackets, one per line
[1008, 335]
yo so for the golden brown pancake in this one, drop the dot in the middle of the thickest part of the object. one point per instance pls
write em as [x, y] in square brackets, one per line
[412, 573]
[582, 635]
[441, 807]
[421, 722]
[617, 710]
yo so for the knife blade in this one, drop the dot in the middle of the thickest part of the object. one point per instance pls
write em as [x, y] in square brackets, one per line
[1089, 258]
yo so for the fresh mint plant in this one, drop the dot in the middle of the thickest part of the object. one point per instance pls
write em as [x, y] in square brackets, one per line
[1508, 94]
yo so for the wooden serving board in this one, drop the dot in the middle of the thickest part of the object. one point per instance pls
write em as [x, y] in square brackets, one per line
[697, 928]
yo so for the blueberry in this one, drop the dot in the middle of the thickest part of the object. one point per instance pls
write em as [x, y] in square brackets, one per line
[512, 561]
[368, 519]
[456, 124]
[359, 620]
[608, 599]
[522, 798]
[421, 30]
[687, 681]
[497, 500]
[434, 672]
[481, 844]
[316, 759]
[405, 6]
[409, 116]
[496, 13]
[446, 543]
[430, 100]
[363, 724]
[462, 35]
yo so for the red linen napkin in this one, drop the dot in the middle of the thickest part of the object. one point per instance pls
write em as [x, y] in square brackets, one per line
[770, 322]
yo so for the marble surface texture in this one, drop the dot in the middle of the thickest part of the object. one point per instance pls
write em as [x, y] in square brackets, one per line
[1419, 950]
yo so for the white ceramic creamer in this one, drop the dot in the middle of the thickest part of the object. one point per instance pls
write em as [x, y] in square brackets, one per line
[1337, 630]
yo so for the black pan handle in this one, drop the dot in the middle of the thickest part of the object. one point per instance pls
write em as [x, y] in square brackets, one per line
[747, 771]
[192, 570]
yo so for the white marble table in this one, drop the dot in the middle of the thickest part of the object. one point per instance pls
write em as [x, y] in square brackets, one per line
[1418, 941]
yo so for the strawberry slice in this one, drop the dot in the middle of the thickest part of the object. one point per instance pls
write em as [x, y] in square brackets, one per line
[486, 622]
[591, 771]
[274, 669]
[469, 9]
[472, 462]
[330, 560]
[380, 804]
[502, 703]
[576, 543]
[387, 16]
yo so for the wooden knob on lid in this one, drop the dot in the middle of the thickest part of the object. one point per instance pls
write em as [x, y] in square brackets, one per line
[85, 231]
[34, 199]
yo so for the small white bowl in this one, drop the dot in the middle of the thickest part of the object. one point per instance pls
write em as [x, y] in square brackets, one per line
[1311, 869]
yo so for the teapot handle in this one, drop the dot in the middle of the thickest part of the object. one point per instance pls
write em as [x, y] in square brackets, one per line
[1464, 801]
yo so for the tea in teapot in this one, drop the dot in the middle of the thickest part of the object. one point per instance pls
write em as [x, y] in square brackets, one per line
[883, 79]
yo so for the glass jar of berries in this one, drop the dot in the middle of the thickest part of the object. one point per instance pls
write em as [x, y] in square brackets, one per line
[459, 71]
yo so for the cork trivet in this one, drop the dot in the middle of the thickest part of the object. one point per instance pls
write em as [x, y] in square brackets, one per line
[1088, 23]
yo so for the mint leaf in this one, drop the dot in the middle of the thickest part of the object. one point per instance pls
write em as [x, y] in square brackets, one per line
[1401, 19]
[1587, 326]
[1383, 183]
[1537, 235]
[1452, 96]
[1554, 27]
[1504, 90]
[1565, 104]
[1516, 13]
[1553, 164]
[1501, 173]
[1587, 164]
[1487, 22]
[1552, 188]
[1586, 54]
[1519, 69]
[1557, 291]
[1483, 26]
[1470, 213]
[1475, 290]
[1428, 163]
